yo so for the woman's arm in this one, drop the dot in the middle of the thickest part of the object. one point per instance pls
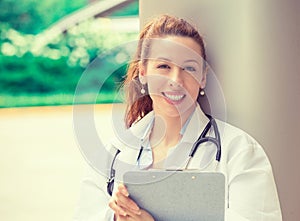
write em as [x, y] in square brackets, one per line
[93, 201]
[252, 193]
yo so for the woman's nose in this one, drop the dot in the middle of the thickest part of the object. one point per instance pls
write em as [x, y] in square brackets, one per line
[176, 77]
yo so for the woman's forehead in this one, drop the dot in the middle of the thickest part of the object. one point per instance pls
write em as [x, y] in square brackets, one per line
[173, 51]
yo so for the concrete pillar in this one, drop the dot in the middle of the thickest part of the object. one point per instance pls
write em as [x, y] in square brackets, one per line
[254, 47]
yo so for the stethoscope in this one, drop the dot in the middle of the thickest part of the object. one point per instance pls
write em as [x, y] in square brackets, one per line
[201, 139]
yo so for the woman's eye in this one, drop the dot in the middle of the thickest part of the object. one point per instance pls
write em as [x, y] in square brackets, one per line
[189, 69]
[163, 66]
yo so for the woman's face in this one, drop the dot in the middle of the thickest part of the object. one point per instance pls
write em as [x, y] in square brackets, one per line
[174, 74]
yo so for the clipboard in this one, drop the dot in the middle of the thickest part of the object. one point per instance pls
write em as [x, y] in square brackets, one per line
[178, 195]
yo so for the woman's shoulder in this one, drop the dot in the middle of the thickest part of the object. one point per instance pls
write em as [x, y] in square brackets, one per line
[240, 147]
[131, 136]
[230, 129]
[234, 136]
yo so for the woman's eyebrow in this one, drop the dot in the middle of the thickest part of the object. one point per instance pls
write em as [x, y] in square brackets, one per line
[191, 60]
[169, 60]
[164, 59]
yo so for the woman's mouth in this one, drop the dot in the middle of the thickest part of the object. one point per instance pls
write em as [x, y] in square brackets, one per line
[173, 98]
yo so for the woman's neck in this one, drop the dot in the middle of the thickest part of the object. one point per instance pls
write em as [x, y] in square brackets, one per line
[166, 130]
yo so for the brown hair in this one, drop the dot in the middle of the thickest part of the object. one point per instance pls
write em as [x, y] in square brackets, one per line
[139, 105]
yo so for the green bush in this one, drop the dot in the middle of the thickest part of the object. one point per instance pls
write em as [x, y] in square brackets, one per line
[31, 16]
[29, 68]
[29, 74]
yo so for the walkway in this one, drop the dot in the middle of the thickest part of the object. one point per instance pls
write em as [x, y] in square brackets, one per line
[40, 162]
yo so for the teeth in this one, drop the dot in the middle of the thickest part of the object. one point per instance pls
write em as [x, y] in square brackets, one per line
[174, 97]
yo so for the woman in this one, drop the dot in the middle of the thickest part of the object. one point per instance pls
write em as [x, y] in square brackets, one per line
[164, 91]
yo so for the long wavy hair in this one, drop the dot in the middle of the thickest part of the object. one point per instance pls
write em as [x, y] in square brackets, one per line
[139, 105]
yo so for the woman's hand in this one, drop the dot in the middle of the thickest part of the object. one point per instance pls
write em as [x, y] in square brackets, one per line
[125, 208]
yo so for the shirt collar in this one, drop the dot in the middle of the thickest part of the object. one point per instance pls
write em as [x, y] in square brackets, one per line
[132, 137]
[143, 127]
[183, 129]
[190, 131]
[194, 126]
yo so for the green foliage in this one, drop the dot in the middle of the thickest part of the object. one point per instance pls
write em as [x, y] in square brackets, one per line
[51, 75]
[130, 10]
[29, 74]
[31, 16]
[46, 68]
[24, 100]
[57, 65]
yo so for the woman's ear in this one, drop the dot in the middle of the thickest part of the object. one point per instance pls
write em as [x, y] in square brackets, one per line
[142, 73]
[203, 79]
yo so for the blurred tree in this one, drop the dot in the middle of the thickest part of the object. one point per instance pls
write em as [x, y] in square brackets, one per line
[57, 67]
[32, 16]
[131, 9]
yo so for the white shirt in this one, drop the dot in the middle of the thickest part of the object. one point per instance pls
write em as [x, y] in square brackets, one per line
[251, 193]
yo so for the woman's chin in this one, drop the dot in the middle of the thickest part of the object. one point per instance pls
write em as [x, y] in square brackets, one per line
[174, 108]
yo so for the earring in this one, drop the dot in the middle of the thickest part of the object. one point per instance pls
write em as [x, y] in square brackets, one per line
[202, 92]
[143, 91]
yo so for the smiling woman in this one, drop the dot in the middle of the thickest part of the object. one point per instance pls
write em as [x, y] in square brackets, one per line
[154, 35]
[165, 126]
[174, 75]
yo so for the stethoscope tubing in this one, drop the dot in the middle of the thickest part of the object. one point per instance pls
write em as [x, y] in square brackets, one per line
[202, 139]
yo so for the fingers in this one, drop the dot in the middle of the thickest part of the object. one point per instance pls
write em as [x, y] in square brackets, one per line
[123, 189]
[145, 216]
[124, 197]
[121, 204]
[122, 210]
[117, 209]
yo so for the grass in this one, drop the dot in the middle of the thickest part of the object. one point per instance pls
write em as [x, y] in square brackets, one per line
[26, 100]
